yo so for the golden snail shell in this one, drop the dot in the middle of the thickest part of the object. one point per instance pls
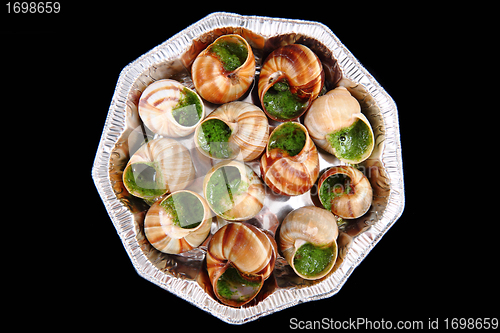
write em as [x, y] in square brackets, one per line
[248, 253]
[160, 166]
[302, 70]
[174, 230]
[345, 191]
[170, 109]
[249, 129]
[316, 227]
[290, 175]
[330, 116]
[233, 191]
[219, 82]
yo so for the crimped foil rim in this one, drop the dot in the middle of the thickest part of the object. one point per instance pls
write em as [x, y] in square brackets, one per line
[122, 218]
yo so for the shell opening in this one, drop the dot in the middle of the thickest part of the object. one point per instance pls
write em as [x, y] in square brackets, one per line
[224, 184]
[353, 142]
[311, 261]
[144, 180]
[185, 208]
[334, 186]
[288, 137]
[189, 110]
[234, 286]
[213, 138]
[232, 53]
[281, 102]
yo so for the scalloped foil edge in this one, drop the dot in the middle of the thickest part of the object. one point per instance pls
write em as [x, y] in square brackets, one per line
[282, 298]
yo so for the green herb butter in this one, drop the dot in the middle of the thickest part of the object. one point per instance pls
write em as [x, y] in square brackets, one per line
[231, 55]
[310, 260]
[189, 109]
[223, 185]
[351, 142]
[185, 208]
[143, 180]
[213, 138]
[334, 186]
[281, 103]
[231, 285]
[289, 137]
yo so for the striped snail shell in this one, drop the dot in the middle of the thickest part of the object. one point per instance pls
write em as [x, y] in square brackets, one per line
[247, 254]
[301, 68]
[290, 175]
[160, 166]
[349, 195]
[249, 129]
[336, 112]
[170, 109]
[315, 228]
[221, 82]
[170, 233]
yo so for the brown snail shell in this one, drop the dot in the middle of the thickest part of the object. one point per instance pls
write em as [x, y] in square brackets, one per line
[244, 247]
[156, 105]
[168, 237]
[332, 112]
[213, 82]
[357, 201]
[290, 175]
[249, 129]
[160, 166]
[308, 225]
[247, 200]
[300, 67]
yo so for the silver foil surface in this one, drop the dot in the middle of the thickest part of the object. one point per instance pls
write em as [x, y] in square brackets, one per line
[185, 275]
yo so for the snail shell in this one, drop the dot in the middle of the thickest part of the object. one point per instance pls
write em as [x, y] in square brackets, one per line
[249, 129]
[349, 205]
[300, 67]
[160, 166]
[158, 101]
[244, 202]
[312, 225]
[169, 237]
[242, 246]
[290, 175]
[334, 111]
[213, 82]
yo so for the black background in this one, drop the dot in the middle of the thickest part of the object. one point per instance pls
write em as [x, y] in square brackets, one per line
[60, 71]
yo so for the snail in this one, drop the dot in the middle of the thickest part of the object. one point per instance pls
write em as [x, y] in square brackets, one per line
[242, 125]
[290, 165]
[345, 191]
[170, 109]
[240, 257]
[307, 239]
[178, 223]
[233, 191]
[224, 71]
[158, 167]
[336, 124]
[291, 78]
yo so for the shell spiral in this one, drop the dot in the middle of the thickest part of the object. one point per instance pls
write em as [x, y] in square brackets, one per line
[172, 164]
[299, 66]
[156, 104]
[358, 201]
[213, 82]
[251, 251]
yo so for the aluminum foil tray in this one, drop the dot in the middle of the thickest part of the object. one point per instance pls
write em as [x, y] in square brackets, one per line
[185, 275]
